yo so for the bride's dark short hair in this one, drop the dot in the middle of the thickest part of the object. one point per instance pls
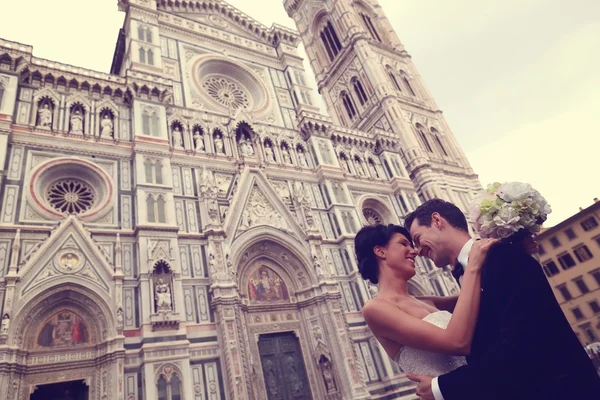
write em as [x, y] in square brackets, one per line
[364, 242]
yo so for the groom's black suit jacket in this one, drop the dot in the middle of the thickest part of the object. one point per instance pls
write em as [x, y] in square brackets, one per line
[523, 347]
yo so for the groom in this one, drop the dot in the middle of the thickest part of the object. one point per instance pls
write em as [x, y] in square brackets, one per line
[523, 347]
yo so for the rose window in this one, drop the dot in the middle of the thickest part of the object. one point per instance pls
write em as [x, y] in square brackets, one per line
[71, 196]
[372, 216]
[227, 93]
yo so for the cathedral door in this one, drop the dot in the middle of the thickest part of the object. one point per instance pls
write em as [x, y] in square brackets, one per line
[283, 367]
[73, 390]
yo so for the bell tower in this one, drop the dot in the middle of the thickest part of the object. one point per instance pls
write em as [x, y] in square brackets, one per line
[369, 83]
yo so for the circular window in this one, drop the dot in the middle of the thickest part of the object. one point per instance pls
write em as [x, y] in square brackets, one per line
[70, 196]
[372, 216]
[229, 86]
[66, 186]
[226, 92]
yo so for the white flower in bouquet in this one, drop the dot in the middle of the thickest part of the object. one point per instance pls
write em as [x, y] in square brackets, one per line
[505, 209]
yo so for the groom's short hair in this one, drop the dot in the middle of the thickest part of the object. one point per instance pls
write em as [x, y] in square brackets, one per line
[447, 210]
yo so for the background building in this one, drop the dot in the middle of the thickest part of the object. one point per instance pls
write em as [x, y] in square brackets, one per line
[182, 226]
[569, 253]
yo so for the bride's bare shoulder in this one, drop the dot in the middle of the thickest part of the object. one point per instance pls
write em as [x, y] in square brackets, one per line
[376, 307]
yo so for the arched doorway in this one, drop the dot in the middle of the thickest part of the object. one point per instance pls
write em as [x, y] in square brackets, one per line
[72, 390]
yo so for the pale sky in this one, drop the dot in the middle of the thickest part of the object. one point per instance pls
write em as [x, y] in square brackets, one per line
[518, 80]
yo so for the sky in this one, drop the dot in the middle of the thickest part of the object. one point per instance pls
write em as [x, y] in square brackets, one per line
[517, 80]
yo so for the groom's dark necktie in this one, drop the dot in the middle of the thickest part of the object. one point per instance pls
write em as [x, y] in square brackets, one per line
[458, 271]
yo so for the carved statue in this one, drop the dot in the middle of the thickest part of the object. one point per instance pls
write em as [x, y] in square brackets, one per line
[45, 117]
[359, 168]
[120, 317]
[373, 170]
[177, 138]
[212, 269]
[5, 325]
[269, 153]
[77, 122]
[219, 147]
[329, 264]
[286, 155]
[198, 141]
[246, 147]
[302, 158]
[328, 376]
[107, 126]
[317, 266]
[162, 295]
[373, 290]
[230, 268]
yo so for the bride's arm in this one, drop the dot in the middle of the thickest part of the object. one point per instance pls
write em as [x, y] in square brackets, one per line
[446, 303]
[387, 320]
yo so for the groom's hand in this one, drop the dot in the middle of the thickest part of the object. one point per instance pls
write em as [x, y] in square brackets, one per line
[423, 386]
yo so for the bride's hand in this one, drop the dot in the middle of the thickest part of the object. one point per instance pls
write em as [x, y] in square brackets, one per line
[479, 252]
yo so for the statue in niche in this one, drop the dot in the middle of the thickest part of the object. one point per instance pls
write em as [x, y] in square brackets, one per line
[198, 141]
[107, 126]
[359, 168]
[120, 317]
[373, 170]
[286, 155]
[162, 295]
[345, 164]
[327, 373]
[77, 122]
[302, 158]
[177, 138]
[246, 147]
[219, 147]
[212, 269]
[230, 268]
[373, 290]
[269, 152]
[45, 117]
[5, 324]
[317, 265]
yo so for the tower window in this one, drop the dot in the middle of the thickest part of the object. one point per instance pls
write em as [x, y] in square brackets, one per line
[349, 106]
[407, 83]
[142, 55]
[424, 139]
[370, 27]
[393, 79]
[360, 92]
[331, 41]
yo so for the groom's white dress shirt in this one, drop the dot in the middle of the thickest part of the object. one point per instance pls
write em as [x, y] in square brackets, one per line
[463, 259]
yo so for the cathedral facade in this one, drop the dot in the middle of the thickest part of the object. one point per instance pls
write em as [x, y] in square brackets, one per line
[182, 227]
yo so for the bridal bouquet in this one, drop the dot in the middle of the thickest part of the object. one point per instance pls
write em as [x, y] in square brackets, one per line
[512, 210]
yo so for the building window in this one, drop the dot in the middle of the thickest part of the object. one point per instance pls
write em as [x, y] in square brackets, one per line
[156, 209]
[370, 27]
[550, 268]
[594, 306]
[554, 242]
[577, 313]
[589, 224]
[331, 41]
[150, 57]
[169, 389]
[589, 333]
[566, 261]
[148, 168]
[423, 136]
[392, 76]
[349, 105]
[541, 250]
[1, 94]
[360, 92]
[407, 83]
[142, 54]
[583, 253]
[581, 285]
[570, 234]
[596, 275]
[440, 145]
[140, 32]
[565, 292]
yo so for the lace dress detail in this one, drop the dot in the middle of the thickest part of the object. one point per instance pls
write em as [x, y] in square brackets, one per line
[423, 362]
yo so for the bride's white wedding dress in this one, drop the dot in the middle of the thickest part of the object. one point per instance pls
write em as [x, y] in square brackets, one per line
[423, 362]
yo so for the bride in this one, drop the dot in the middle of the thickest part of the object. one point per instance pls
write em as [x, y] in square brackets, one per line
[422, 337]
